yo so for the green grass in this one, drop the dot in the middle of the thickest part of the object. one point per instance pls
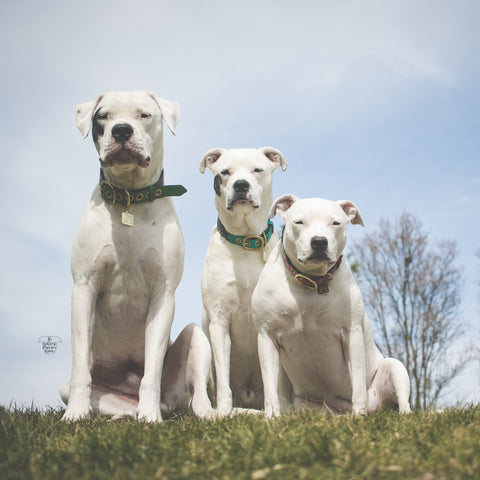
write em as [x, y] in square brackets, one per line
[299, 445]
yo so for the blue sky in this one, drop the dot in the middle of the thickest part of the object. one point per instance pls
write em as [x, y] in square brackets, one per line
[372, 101]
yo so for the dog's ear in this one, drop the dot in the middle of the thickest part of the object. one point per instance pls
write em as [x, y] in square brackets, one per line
[352, 212]
[170, 111]
[84, 115]
[275, 156]
[282, 204]
[210, 158]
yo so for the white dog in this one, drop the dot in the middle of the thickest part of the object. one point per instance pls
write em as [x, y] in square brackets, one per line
[238, 247]
[311, 320]
[127, 261]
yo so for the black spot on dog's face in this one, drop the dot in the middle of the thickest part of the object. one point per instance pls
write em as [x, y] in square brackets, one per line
[97, 125]
[217, 183]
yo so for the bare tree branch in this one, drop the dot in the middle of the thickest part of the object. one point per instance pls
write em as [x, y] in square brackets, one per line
[412, 293]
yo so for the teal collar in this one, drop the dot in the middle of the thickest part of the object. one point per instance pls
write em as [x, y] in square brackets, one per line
[248, 242]
[113, 194]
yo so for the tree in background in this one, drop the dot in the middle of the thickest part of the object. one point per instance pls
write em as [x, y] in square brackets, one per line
[412, 295]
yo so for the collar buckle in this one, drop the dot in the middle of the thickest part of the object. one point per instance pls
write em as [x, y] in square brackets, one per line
[306, 281]
[249, 242]
[318, 284]
[108, 192]
[252, 242]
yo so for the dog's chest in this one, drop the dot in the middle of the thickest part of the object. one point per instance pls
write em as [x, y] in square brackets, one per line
[300, 319]
[124, 260]
[131, 260]
[131, 268]
[312, 350]
[246, 269]
[230, 270]
[136, 261]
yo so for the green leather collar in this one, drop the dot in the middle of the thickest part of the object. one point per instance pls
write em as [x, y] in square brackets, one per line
[248, 242]
[116, 195]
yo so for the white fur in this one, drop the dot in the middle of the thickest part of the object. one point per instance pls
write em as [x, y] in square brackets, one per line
[323, 342]
[125, 280]
[230, 272]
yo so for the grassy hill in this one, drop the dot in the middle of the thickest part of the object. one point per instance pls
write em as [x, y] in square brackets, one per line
[303, 445]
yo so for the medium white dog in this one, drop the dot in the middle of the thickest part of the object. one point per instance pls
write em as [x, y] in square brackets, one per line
[127, 261]
[238, 248]
[311, 320]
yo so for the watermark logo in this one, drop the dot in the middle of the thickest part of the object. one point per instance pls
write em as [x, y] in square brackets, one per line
[49, 344]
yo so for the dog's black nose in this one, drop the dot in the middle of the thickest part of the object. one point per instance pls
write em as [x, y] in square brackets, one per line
[319, 243]
[241, 186]
[122, 132]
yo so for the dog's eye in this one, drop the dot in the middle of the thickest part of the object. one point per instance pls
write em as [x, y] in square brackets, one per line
[258, 170]
[101, 116]
[225, 172]
[335, 223]
[298, 222]
[145, 115]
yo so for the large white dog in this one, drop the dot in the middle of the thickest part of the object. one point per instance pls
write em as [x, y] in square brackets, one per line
[238, 247]
[127, 261]
[311, 320]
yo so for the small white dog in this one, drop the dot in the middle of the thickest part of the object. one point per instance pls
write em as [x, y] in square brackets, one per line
[236, 255]
[311, 320]
[127, 261]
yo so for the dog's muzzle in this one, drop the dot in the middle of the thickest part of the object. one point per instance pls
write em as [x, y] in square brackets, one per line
[319, 246]
[240, 194]
[241, 187]
[122, 132]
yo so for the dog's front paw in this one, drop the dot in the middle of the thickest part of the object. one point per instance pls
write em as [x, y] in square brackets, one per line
[359, 410]
[209, 415]
[224, 409]
[272, 410]
[148, 411]
[74, 413]
[77, 398]
[224, 402]
[404, 408]
[149, 415]
[204, 411]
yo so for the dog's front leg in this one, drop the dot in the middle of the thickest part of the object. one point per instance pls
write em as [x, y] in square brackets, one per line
[357, 369]
[221, 348]
[270, 367]
[83, 316]
[157, 335]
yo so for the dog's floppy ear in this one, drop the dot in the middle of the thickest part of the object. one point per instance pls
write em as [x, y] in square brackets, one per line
[210, 158]
[275, 156]
[170, 111]
[352, 212]
[282, 204]
[84, 115]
